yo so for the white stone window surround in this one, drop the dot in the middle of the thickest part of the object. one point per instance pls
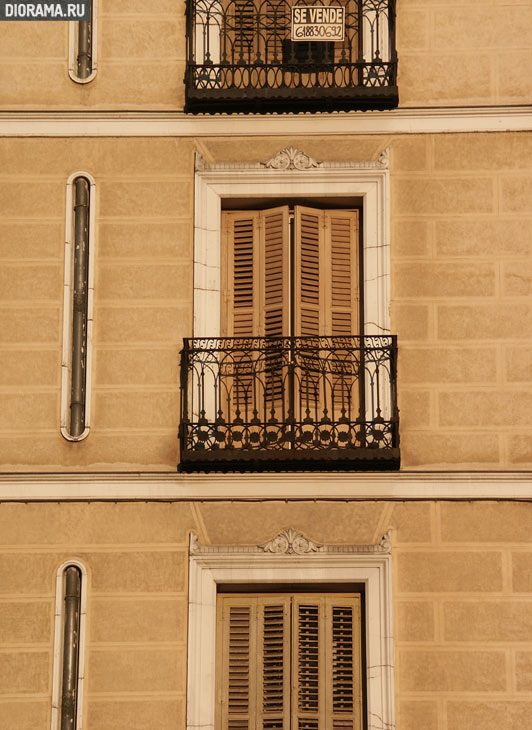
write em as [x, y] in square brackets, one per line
[58, 643]
[73, 45]
[301, 562]
[292, 174]
[67, 306]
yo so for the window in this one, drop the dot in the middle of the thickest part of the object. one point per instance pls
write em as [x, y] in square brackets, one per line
[289, 661]
[292, 173]
[241, 57]
[295, 369]
[78, 307]
[82, 47]
[288, 566]
[69, 646]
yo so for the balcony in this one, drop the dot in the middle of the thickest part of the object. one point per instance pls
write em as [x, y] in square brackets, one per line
[241, 57]
[289, 403]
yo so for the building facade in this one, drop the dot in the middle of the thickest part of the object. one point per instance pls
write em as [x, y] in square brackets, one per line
[265, 368]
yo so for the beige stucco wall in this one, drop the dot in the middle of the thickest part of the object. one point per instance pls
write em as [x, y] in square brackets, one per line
[462, 604]
[450, 53]
[143, 276]
[141, 60]
[461, 281]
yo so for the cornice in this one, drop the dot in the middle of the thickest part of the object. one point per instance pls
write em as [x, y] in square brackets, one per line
[259, 487]
[421, 120]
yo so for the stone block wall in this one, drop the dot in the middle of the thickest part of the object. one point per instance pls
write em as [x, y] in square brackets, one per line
[462, 603]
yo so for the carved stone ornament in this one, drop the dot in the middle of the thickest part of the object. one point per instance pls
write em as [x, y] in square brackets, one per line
[291, 159]
[384, 158]
[290, 542]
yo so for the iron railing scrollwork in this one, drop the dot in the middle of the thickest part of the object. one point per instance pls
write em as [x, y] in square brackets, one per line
[240, 57]
[289, 401]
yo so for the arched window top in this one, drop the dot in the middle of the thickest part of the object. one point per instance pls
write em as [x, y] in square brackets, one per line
[81, 173]
[78, 306]
[76, 563]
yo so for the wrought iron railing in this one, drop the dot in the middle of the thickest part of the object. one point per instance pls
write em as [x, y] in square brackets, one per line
[240, 57]
[289, 403]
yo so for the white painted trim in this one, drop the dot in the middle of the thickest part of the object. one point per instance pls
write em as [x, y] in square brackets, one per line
[66, 361]
[366, 181]
[72, 47]
[58, 643]
[112, 487]
[242, 565]
[423, 120]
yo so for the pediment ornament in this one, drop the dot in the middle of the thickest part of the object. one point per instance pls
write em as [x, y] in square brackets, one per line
[290, 542]
[291, 158]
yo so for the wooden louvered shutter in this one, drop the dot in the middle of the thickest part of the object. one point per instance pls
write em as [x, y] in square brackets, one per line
[326, 304]
[273, 658]
[326, 680]
[240, 274]
[237, 637]
[342, 309]
[310, 260]
[256, 273]
[254, 666]
[275, 279]
[289, 662]
[326, 275]
[308, 650]
[341, 290]
[344, 663]
[245, 35]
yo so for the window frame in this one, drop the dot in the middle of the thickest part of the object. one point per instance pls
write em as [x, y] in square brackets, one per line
[289, 174]
[370, 565]
[66, 360]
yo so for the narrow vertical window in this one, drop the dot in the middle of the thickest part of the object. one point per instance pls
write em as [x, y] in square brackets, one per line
[67, 693]
[84, 56]
[70, 674]
[82, 63]
[77, 317]
[79, 307]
